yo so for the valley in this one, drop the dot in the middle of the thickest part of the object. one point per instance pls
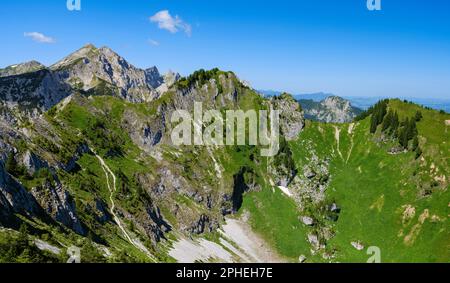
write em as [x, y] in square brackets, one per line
[87, 160]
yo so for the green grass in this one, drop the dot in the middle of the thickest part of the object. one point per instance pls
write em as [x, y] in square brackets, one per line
[275, 217]
[372, 186]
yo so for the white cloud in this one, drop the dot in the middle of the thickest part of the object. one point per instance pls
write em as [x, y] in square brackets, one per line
[39, 37]
[153, 42]
[169, 23]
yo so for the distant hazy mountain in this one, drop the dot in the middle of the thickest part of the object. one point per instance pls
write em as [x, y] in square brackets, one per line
[434, 103]
[317, 96]
[323, 107]
[18, 69]
[332, 109]
[364, 102]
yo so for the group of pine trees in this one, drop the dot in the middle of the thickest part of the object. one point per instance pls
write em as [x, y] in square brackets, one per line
[201, 76]
[379, 111]
[12, 167]
[405, 131]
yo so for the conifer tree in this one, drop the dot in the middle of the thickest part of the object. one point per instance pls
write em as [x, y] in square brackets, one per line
[11, 164]
[418, 116]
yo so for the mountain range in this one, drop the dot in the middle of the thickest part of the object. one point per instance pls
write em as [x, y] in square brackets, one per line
[87, 161]
[332, 109]
[364, 102]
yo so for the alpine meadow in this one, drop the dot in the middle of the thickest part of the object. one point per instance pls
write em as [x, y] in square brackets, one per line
[102, 161]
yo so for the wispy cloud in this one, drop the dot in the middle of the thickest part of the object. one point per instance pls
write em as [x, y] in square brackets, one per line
[39, 37]
[169, 23]
[153, 42]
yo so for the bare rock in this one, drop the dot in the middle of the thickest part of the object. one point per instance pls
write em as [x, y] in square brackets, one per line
[292, 120]
[301, 258]
[357, 245]
[307, 220]
[59, 204]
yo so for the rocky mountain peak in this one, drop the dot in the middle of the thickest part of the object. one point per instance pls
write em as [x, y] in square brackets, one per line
[33, 88]
[81, 53]
[336, 101]
[89, 68]
[18, 69]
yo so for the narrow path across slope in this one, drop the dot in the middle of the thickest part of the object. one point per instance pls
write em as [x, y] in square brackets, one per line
[350, 131]
[337, 134]
[108, 172]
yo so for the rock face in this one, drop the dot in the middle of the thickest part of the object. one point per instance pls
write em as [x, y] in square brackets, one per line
[307, 220]
[292, 120]
[47, 201]
[333, 109]
[32, 93]
[59, 204]
[33, 163]
[14, 198]
[90, 67]
[169, 79]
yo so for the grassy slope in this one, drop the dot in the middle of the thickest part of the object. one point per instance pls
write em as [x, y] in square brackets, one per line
[275, 217]
[371, 186]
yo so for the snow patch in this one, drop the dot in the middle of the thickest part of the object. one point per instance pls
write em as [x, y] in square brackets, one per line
[186, 251]
[286, 191]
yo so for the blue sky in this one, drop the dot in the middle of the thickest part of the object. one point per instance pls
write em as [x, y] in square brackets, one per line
[297, 46]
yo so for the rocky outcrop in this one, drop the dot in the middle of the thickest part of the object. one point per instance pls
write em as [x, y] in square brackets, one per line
[169, 80]
[146, 132]
[240, 187]
[71, 164]
[150, 222]
[7, 217]
[333, 109]
[34, 92]
[59, 204]
[49, 201]
[33, 163]
[357, 245]
[292, 120]
[18, 198]
[203, 224]
[309, 221]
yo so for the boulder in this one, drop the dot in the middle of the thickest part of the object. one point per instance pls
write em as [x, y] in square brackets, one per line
[357, 245]
[313, 239]
[301, 258]
[309, 173]
[335, 208]
[307, 220]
